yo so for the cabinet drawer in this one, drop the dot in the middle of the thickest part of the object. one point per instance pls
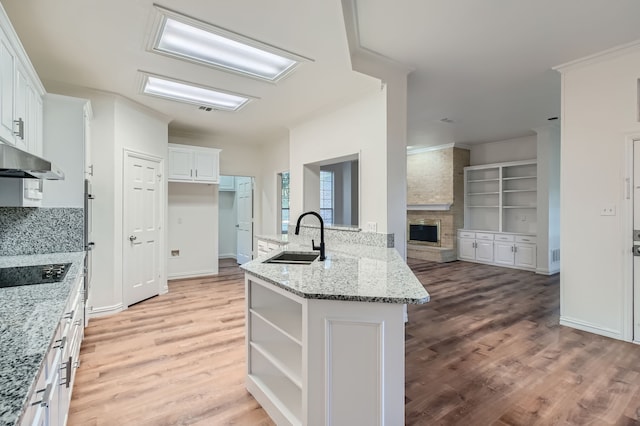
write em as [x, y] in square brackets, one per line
[483, 236]
[263, 246]
[273, 246]
[466, 234]
[501, 237]
[526, 239]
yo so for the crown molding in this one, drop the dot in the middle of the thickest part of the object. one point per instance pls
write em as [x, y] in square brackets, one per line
[413, 151]
[611, 53]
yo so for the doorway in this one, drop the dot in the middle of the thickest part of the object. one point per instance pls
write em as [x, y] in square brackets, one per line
[236, 218]
[142, 220]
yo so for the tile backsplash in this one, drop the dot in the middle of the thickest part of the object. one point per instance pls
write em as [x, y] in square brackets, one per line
[29, 230]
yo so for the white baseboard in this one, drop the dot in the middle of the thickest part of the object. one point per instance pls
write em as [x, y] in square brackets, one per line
[591, 328]
[193, 274]
[227, 256]
[102, 311]
[548, 271]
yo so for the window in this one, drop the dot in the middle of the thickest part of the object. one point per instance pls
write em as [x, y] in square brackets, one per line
[284, 202]
[326, 196]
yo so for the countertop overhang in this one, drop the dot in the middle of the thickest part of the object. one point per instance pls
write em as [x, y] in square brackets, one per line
[350, 273]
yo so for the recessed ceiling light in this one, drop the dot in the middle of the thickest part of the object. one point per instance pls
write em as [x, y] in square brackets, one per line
[180, 91]
[446, 120]
[187, 38]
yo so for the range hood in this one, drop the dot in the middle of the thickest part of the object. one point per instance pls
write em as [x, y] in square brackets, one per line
[17, 163]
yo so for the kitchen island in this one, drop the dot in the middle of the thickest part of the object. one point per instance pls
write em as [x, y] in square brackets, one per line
[325, 341]
[30, 318]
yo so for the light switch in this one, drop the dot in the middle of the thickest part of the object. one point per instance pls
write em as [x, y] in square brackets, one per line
[372, 227]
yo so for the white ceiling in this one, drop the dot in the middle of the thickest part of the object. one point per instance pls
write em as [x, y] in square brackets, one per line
[484, 64]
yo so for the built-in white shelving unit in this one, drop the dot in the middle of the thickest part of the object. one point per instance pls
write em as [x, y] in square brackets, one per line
[500, 202]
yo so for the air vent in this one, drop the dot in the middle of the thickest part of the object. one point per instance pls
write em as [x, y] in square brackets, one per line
[555, 255]
[205, 108]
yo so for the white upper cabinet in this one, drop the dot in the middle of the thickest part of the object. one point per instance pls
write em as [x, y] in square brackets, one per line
[20, 93]
[193, 164]
[7, 88]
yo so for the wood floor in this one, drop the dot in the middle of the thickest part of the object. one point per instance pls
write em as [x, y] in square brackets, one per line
[486, 350]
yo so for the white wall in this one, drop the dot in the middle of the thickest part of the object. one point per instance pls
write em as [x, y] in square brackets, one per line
[275, 159]
[64, 145]
[517, 149]
[599, 116]
[117, 124]
[192, 229]
[360, 127]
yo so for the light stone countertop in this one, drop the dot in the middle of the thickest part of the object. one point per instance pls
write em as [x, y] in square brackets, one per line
[28, 320]
[350, 272]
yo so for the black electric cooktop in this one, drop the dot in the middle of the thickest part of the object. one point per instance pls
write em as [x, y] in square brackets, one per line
[37, 274]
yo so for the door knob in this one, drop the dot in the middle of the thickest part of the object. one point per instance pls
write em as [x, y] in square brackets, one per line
[132, 238]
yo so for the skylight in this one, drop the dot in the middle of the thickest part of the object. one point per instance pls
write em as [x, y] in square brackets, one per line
[189, 39]
[197, 95]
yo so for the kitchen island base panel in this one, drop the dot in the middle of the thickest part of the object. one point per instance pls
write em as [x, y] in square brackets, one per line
[352, 359]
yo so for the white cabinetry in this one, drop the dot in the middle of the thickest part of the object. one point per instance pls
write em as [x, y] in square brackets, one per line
[193, 164]
[321, 362]
[266, 246]
[500, 203]
[20, 93]
[502, 249]
[475, 246]
[50, 399]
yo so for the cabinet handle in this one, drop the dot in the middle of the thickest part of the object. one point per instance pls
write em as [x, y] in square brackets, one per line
[19, 128]
[61, 343]
[67, 376]
[196, 172]
[68, 315]
[44, 402]
[515, 249]
[511, 249]
[191, 173]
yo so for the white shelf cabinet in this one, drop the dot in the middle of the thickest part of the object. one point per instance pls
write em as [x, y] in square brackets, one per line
[193, 164]
[316, 362]
[501, 197]
[266, 247]
[501, 249]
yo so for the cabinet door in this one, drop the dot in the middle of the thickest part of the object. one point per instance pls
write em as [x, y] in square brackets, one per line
[484, 250]
[466, 249]
[7, 87]
[504, 253]
[20, 119]
[525, 255]
[206, 166]
[180, 164]
[33, 129]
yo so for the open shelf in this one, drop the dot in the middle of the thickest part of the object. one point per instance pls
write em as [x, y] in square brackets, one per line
[286, 358]
[520, 190]
[520, 177]
[519, 207]
[483, 207]
[483, 193]
[282, 393]
[282, 321]
[483, 180]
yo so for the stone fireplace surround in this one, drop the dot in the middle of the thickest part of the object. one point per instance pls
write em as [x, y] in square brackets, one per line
[435, 181]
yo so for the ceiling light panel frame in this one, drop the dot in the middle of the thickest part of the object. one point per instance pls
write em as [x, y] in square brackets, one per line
[202, 43]
[176, 90]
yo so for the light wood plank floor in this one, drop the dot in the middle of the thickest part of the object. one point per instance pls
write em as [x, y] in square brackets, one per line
[486, 350]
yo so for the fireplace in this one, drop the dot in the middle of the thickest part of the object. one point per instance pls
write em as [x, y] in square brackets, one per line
[424, 231]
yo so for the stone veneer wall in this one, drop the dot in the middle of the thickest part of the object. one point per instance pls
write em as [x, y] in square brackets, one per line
[32, 230]
[437, 177]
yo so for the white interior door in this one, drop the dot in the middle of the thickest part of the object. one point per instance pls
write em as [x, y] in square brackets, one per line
[636, 242]
[244, 194]
[142, 216]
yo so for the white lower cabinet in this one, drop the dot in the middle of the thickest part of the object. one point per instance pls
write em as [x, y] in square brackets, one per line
[266, 247]
[319, 362]
[511, 250]
[49, 402]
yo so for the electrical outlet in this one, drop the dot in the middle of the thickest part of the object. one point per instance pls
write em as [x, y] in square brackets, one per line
[609, 210]
[372, 227]
[175, 253]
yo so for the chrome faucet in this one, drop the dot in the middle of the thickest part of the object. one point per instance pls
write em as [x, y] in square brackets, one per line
[313, 243]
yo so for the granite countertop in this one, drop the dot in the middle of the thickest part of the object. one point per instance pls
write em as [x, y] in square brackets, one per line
[350, 272]
[28, 320]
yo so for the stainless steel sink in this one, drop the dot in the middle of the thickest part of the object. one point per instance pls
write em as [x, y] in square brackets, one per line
[293, 258]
